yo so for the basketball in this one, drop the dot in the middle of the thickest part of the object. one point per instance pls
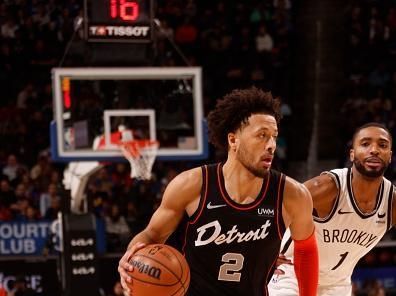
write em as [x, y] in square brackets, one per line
[159, 270]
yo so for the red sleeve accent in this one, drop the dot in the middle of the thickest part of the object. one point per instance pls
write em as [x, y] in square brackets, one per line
[306, 265]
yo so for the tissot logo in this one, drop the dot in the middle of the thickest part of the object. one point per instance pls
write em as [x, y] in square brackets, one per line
[126, 31]
[266, 212]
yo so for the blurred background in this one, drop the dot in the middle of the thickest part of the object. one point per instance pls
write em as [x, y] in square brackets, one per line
[332, 62]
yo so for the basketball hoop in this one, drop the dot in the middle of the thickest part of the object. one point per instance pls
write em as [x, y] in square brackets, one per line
[141, 155]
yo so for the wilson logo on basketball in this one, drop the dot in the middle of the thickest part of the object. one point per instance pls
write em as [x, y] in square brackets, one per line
[151, 271]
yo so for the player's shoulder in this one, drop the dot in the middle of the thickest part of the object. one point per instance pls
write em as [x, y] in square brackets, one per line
[325, 187]
[324, 182]
[183, 188]
[188, 180]
[295, 196]
[295, 188]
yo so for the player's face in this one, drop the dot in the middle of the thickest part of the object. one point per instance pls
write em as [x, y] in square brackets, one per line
[371, 152]
[255, 143]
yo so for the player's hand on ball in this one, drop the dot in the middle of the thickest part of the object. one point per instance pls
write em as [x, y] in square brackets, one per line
[124, 267]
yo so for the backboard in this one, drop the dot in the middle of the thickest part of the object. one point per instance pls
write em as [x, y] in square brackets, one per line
[94, 104]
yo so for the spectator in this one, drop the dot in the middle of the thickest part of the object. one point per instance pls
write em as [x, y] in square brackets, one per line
[282, 4]
[47, 197]
[132, 218]
[31, 214]
[25, 95]
[11, 169]
[20, 209]
[264, 42]
[40, 173]
[21, 192]
[117, 230]
[53, 210]
[5, 213]
[102, 182]
[7, 195]
[186, 33]
[9, 28]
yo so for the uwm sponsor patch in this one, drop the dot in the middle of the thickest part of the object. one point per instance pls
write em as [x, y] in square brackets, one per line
[266, 212]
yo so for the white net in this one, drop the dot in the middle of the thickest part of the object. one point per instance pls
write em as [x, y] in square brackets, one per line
[141, 155]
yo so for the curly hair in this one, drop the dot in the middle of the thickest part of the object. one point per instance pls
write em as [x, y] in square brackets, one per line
[234, 110]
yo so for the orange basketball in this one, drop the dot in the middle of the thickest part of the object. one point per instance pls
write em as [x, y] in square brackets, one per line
[159, 270]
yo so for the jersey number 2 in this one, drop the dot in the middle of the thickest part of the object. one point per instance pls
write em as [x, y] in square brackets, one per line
[343, 256]
[229, 270]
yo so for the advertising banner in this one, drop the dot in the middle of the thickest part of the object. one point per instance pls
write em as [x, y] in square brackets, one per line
[28, 238]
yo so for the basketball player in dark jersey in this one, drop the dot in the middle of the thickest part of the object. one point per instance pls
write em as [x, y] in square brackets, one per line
[238, 210]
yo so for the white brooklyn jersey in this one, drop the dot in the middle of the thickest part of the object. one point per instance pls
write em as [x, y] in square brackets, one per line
[347, 234]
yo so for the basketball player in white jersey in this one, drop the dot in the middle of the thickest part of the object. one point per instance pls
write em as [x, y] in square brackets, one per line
[353, 208]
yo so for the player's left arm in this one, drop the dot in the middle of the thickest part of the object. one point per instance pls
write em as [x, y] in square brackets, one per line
[297, 203]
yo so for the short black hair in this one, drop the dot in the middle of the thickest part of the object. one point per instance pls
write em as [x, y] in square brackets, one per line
[234, 110]
[372, 124]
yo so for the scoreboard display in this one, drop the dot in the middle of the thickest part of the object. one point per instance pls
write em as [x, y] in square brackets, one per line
[118, 20]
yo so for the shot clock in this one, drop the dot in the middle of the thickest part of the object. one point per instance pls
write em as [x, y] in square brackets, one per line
[118, 20]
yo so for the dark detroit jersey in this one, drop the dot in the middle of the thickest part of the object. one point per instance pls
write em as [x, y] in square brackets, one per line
[232, 248]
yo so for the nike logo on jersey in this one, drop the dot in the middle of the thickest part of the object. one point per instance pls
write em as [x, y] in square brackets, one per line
[209, 206]
[381, 215]
[211, 233]
[341, 212]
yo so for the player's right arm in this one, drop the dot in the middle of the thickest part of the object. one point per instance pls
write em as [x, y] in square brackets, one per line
[324, 191]
[181, 195]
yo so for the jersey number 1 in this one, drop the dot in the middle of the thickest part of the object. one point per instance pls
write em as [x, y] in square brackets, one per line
[229, 271]
[343, 256]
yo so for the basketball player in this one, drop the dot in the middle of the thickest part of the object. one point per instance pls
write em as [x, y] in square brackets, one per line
[238, 210]
[353, 208]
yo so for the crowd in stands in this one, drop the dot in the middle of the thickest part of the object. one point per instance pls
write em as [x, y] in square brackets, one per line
[370, 60]
[236, 43]
[234, 52]
[370, 94]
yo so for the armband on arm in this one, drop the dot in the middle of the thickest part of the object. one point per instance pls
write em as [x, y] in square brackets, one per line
[306, 265]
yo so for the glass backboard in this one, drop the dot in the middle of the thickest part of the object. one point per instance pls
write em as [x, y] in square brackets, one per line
[96, 104]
